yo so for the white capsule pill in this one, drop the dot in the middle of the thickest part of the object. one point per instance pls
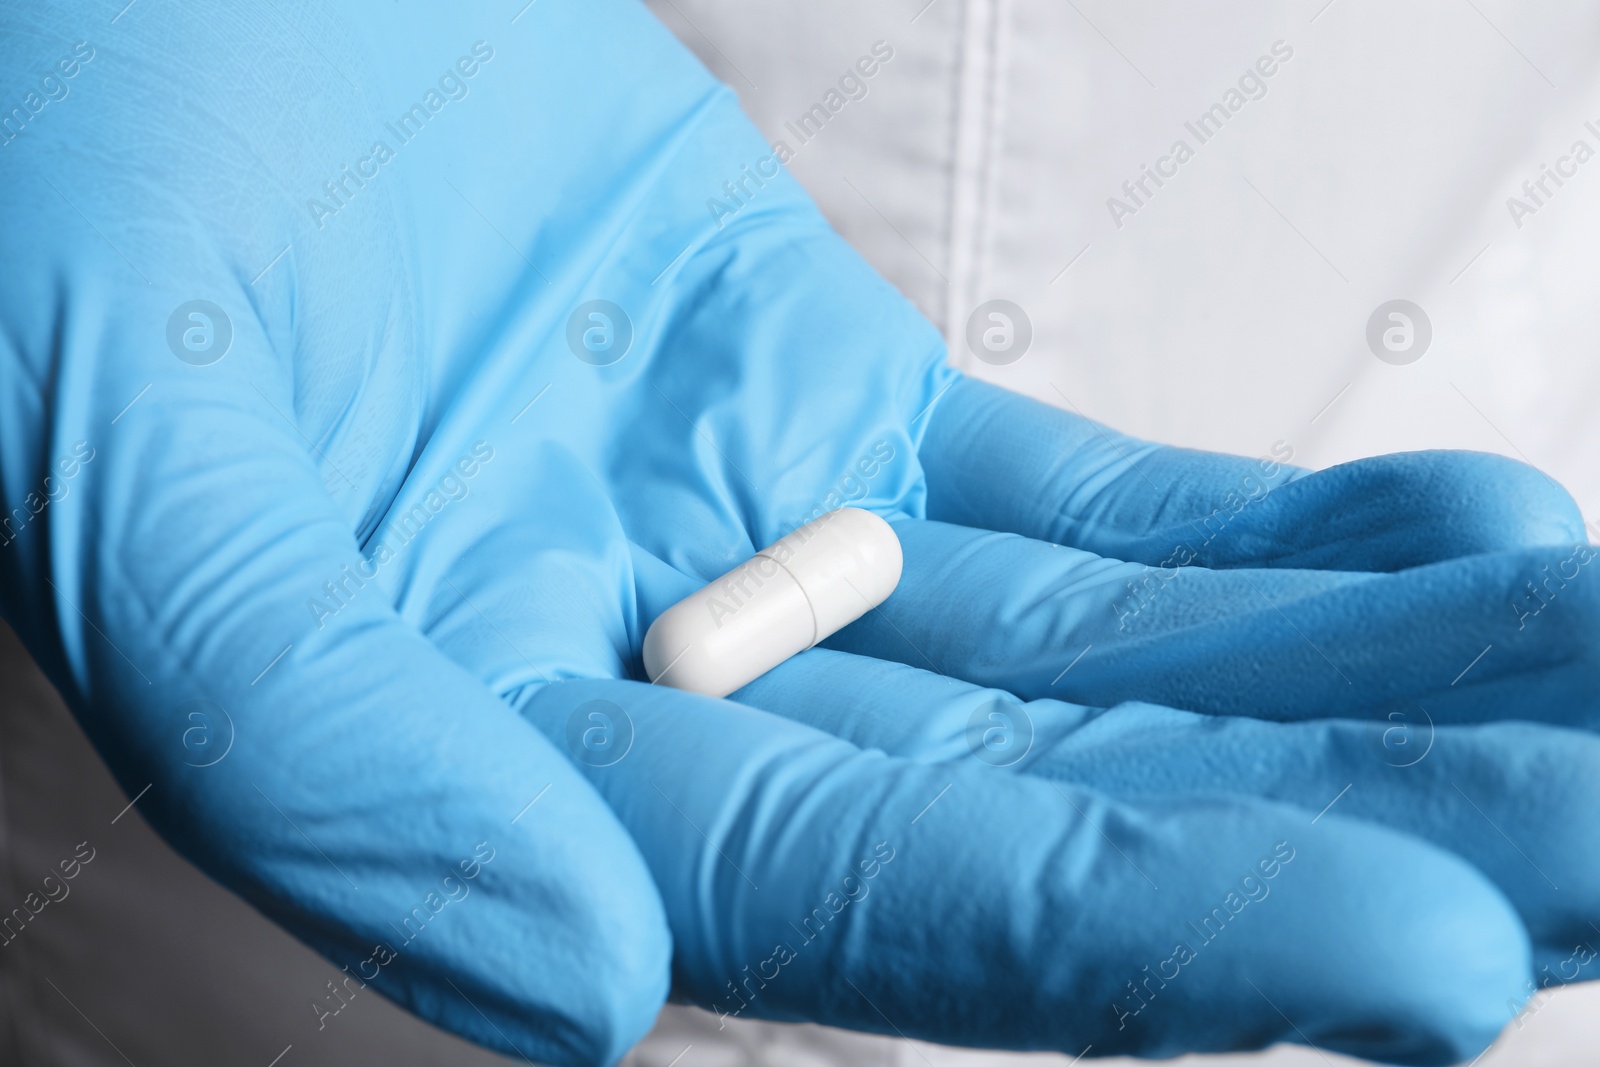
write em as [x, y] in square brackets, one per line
[780, 602]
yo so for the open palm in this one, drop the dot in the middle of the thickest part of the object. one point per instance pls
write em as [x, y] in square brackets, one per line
[391, 475]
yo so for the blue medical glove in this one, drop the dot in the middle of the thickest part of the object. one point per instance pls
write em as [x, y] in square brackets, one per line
[1456, 586]
[513, 333]
[216, 372]
[1499, 795]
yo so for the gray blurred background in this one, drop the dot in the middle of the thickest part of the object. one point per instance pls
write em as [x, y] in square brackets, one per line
[1225, 308]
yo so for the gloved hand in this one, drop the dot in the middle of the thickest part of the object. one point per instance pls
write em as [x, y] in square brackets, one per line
[403, 478]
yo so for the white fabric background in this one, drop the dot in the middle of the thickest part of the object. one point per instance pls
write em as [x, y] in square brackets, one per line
[1228, 313]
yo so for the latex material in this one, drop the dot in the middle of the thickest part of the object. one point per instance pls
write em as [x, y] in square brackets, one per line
[797, 591]
[403, 537]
